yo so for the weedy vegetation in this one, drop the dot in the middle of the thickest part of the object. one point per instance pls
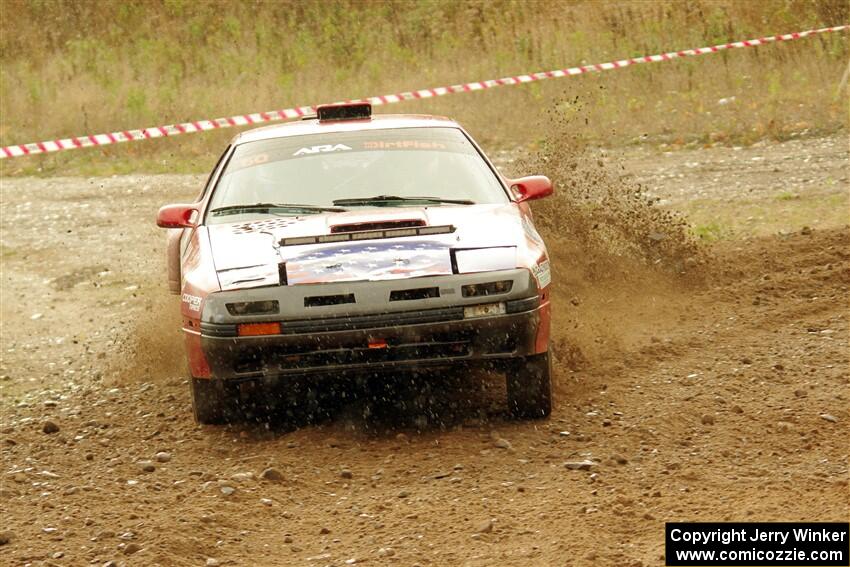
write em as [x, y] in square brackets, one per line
[72, 67]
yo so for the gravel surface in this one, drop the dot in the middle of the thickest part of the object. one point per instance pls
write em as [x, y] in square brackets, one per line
[722, 399]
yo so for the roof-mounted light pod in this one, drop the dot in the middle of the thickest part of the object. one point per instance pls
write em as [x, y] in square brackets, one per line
[344, 111]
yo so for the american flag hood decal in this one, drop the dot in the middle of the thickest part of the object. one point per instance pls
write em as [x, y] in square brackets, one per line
[371, 260]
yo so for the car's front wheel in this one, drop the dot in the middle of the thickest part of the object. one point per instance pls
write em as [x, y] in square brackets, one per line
[212, 401]
[529, 386]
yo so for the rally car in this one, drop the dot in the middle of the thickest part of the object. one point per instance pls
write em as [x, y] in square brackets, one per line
[348, 243]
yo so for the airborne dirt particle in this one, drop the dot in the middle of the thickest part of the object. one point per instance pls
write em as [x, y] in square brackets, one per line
[622, 264]
[598, 212]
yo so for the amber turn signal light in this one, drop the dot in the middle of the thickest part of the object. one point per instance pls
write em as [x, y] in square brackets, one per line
[258, 329]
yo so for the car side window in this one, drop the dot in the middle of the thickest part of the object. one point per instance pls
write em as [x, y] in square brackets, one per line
[212, 175]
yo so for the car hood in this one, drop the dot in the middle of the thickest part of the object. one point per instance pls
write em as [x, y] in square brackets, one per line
[249, 254]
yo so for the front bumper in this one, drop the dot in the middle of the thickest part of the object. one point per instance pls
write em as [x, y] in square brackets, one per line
[422, 338]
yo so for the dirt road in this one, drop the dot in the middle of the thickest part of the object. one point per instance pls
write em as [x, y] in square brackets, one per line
[719, 399]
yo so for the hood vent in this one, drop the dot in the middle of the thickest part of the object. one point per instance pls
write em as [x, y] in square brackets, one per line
[377, 225]
[360, 234]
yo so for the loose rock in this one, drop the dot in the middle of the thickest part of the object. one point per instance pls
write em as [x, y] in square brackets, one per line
[272, 474]
[50, 427]
[584, 465]
[485, 527]
[163, 457]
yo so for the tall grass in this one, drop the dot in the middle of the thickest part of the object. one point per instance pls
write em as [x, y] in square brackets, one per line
[70, 67]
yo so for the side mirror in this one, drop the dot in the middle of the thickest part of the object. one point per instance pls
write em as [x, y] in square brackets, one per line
[177, 216]
[532, 187]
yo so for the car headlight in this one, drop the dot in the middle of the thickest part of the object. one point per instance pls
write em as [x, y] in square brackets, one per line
[488, 288]
[472, 260]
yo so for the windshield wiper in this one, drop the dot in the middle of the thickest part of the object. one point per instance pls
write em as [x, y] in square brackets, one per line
[235, 209]
[393, 198]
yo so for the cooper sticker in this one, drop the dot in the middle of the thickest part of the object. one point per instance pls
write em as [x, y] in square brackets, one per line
[542, 274]
[193, 301]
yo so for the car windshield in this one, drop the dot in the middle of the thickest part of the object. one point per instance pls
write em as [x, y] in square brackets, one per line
[372, 168]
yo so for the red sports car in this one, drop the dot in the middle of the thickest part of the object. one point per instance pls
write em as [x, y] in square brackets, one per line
[349, 243]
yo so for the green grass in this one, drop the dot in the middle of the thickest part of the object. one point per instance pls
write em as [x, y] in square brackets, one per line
[787, 196]
[710, 232]
[107, 66]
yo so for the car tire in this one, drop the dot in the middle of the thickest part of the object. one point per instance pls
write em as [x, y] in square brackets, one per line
[212, 402]
[529, 386]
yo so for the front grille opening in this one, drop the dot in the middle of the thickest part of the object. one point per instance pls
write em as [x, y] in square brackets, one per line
[322, 300]
[380, 225]
[411, 294]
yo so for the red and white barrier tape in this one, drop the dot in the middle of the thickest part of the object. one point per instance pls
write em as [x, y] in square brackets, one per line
[297, 112]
